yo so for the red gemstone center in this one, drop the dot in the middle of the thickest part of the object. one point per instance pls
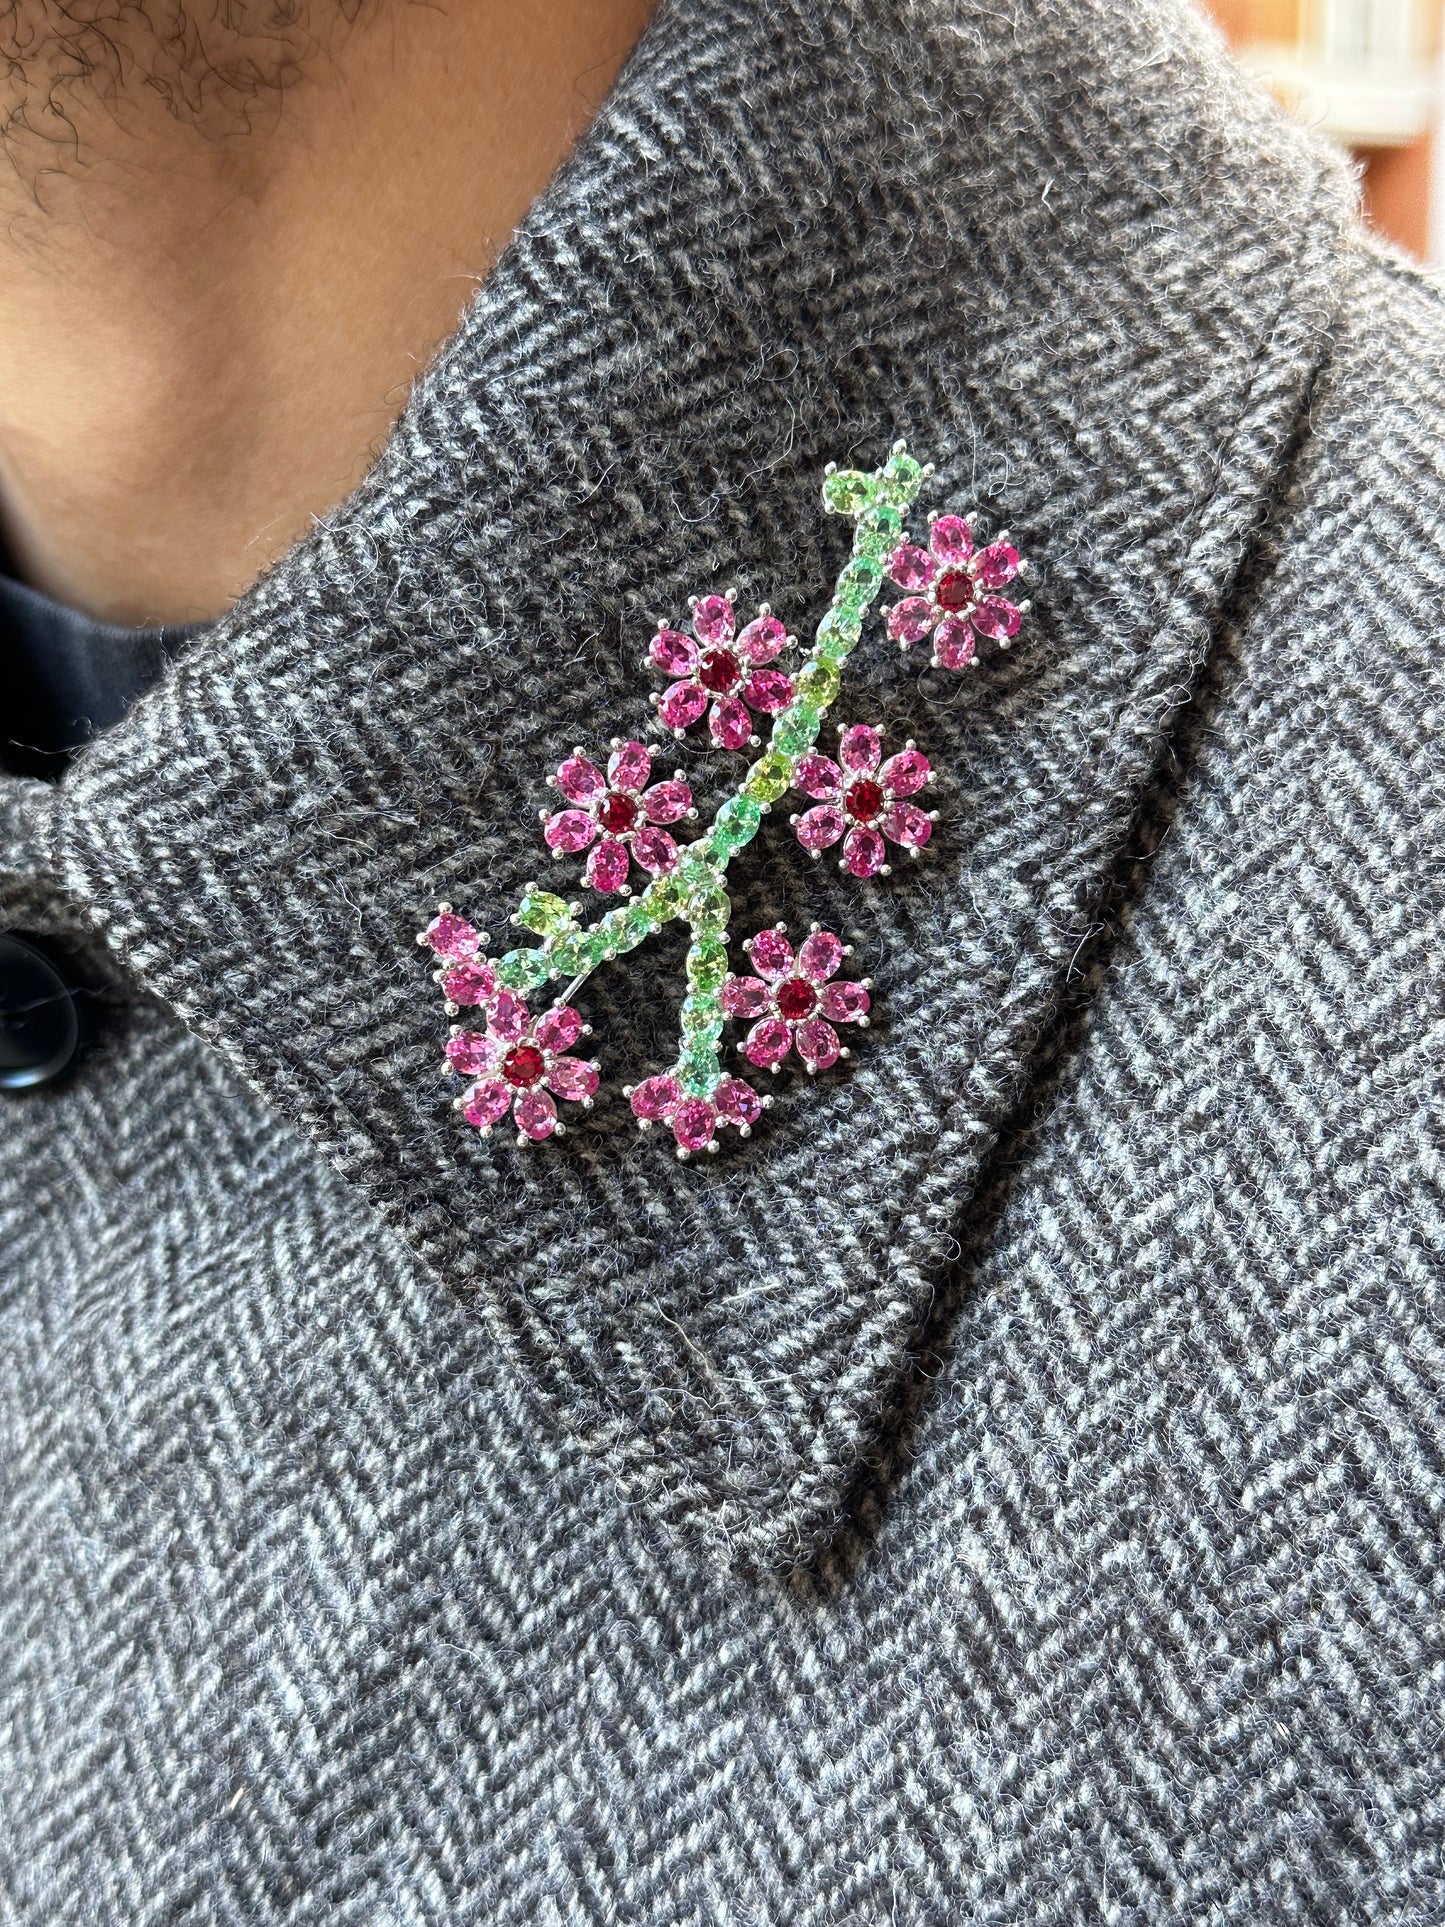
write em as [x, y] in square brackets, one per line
[865, 799]
[796, 1000]
[617, 813]
[523, 1066]
[719, 671]
[953, 590]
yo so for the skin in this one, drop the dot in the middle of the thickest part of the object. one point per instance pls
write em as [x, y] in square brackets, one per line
[231, 233]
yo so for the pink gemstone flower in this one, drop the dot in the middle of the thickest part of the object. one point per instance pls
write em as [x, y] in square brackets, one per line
[952, 597]
[722, 668]
[521, 1066]
[794, 1000]
[696, 1121]
[617, 814]
[863, 803]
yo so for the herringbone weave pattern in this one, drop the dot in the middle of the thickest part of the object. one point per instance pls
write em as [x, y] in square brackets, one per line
[1126, 1605]
[794, 234]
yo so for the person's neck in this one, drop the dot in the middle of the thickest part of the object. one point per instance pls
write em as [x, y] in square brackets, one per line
[209, 318]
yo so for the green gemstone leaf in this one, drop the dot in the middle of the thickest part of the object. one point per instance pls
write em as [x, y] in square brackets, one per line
[796, 730]
[634, 925]
[582, 951]
[708, 909]
[698, 1070]
[770, 777]
[541, 912]
[524, 969]
[879, 532]
[848, 491]
[665, 898]
[902, 479]
[859, 583]
[702, 1016]
[817, 682]
[707, 964]
[838, 634]
[738, 822]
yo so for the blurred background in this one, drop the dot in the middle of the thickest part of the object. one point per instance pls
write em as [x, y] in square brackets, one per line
[1369, 73]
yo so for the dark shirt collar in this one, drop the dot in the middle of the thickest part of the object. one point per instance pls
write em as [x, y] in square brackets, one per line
[66, 677]
[1066, 253]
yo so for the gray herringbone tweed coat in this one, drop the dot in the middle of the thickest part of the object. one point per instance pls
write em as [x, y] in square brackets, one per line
[1010, 1488]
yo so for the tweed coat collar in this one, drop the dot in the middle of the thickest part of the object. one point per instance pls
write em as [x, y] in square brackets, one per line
[1094, 288]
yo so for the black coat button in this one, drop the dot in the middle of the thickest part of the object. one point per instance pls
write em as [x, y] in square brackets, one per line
[40, 1032]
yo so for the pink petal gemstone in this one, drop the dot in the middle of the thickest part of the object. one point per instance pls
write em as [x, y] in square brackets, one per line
[737, 1102]
[510, 1016]
[712, 619]
[951, 540]
[573, 1078]
[905, 773]
[666, 802]
[470, 1051]
[911, 619]
[820, 827]
[817, 1043]
[452, 937]
[569, 831]
[954, 643]
[469, 983]
[654, 850]
[998, 564]
[818, 776]
[769, 690]
[486, 1101]
[629, 767]
[864, 853]
[659, 1097]
[580, 780]
[694, 1123]
[608, 865]
[674, 653]
[536, 1114]
[844, 1003]
[820, 956]
[905, 823]
[559, 1028]
[730, 724]
[996, 618]
[768, 1043]
[911, 567]
[745, 997]
[763, 639]
[860, 749]
[771, 953]
[682, 705]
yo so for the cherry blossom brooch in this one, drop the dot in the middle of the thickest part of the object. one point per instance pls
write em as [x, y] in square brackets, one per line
[627, 822]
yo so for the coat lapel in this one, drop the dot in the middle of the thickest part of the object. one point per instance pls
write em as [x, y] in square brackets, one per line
[1068, 256]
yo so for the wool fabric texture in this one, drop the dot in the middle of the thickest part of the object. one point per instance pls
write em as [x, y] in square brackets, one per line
[1010, 1488]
